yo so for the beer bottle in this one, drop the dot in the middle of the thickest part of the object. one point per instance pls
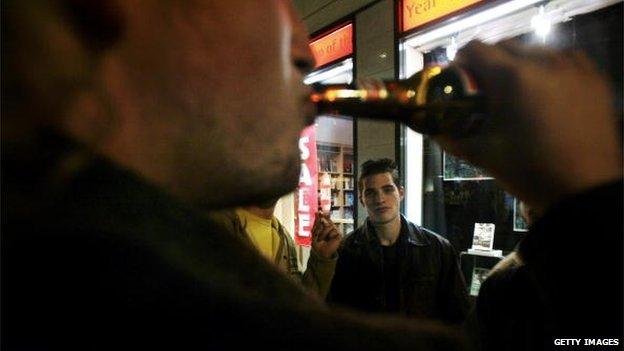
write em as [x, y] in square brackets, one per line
[433, 101]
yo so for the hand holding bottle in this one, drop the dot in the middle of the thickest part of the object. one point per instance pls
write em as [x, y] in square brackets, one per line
[550, 129]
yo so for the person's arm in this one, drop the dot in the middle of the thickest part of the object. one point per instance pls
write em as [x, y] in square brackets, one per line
[490, 326]
[319, 273]
[323, 256]
[453, 298]
[340, 288]
[543, 139]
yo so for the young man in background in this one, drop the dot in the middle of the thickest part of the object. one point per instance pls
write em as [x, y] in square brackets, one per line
[391, 265]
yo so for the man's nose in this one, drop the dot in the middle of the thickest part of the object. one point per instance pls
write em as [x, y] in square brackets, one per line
[302, 57]
[379, 198]
[301, 54]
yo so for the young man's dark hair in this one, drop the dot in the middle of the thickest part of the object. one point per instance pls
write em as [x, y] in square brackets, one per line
[382, 165]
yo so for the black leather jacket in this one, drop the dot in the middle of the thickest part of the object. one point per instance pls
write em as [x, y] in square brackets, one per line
[430, 281]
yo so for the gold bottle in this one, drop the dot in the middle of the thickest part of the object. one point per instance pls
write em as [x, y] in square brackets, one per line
[433, 101]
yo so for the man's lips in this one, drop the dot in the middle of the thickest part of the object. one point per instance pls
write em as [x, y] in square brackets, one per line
[309, 108]
[382, 209]
[309, 112]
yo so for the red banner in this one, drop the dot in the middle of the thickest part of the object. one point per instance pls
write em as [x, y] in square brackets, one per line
[306, 197]
[333, 46]
[417, 13]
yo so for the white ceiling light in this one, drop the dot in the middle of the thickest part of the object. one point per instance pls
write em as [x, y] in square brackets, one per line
[506, 20]
[343, 67]
[541, 24]
[470, 21]
[451, 50]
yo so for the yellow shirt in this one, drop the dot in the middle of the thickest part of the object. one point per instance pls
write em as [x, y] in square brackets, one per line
[263, 233]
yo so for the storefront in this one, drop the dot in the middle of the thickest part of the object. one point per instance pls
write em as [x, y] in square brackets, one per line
[397, 38]
[333, 52]
[328, 176]
[446, 194]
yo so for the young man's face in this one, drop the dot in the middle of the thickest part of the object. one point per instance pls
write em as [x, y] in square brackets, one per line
[381, 197]
[225, 78]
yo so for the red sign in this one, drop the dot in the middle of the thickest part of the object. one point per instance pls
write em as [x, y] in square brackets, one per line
[306, 197]
[416, 13]
[333, 46]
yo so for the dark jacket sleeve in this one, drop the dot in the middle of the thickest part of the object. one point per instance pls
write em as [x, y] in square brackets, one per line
[339, 290]
[319, 273]
[453, 295]
[490, 312]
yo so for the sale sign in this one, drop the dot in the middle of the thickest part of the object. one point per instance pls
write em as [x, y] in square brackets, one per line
[306, 196]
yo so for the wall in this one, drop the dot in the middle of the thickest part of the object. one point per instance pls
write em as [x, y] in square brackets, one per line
[317, 14]
[375, 59]
[334, 130]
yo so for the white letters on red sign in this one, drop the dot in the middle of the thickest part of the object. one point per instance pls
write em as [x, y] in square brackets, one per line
[306, 202]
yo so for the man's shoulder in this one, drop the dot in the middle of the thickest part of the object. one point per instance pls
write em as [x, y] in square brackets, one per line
[428, 235]
[432, 235]
[354, 238]
[286, 234]
[223, 216]
[226, 220]
[509, 280]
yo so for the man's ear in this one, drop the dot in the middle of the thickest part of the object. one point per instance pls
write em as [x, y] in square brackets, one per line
[401, 192]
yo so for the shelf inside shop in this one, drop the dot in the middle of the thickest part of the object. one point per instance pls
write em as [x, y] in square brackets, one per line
[336, 160]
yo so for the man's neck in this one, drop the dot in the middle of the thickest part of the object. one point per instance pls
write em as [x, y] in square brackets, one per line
[388, 233]
[266, 213]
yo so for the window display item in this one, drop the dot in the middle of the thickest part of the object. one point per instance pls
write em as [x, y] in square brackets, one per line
[478, 276]
[483, 239]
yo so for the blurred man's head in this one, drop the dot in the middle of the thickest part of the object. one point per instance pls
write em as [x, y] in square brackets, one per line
[264, 209]
[204, 98]
[380, 190]
[527, 213]
[268, 204]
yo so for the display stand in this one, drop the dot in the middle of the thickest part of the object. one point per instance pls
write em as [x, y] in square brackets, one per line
[337, 161]
[475, 266]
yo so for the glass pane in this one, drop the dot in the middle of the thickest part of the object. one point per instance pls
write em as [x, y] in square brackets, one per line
[337, 194]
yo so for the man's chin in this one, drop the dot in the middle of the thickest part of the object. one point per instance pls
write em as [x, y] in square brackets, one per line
[258, 198]
[379, 220]
[287, 180]
[281, 184]
[249, 192]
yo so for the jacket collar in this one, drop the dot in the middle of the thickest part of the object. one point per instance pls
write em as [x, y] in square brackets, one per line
[410, 233]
